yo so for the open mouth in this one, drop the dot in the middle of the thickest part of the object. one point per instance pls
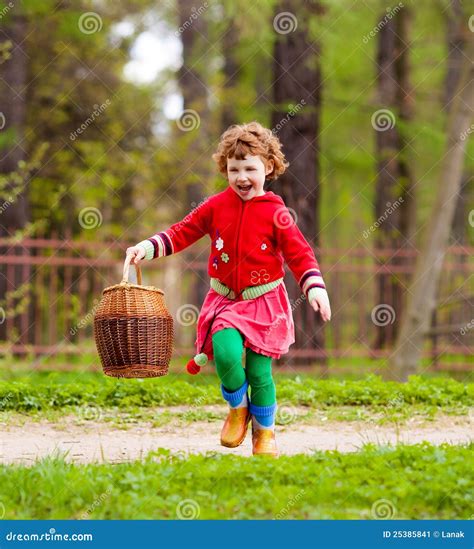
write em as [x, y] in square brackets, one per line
[244, 188]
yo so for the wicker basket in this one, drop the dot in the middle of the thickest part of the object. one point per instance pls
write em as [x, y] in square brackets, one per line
[133, 329]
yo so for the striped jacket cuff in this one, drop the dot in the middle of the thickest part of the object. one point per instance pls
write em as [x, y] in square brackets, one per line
[311, 279]
[313, 293]
[157, 245]
[148, 247]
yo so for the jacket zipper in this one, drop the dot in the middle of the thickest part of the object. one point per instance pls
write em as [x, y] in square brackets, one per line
[237, 247]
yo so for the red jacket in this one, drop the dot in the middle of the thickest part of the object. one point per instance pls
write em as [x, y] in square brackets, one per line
[249, 241]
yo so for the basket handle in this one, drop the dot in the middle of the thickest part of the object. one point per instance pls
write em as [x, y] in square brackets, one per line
[126, 268]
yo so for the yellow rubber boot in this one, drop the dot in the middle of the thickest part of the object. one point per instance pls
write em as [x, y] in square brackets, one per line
[264, 442]
[235, 427]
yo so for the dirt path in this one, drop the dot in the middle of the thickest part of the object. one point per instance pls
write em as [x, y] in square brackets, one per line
[100, 441]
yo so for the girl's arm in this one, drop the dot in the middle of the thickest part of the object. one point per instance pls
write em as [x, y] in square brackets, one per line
[178, 237]
[302, 262]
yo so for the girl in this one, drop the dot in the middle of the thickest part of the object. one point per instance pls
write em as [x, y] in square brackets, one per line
[247, 307]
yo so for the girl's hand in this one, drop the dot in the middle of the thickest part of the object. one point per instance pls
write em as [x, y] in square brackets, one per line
[321, 303]
[137, 252]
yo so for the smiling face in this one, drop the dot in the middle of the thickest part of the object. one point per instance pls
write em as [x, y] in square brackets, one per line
[247, 176]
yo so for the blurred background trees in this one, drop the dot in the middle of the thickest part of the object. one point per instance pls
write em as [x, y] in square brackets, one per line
[113, 109]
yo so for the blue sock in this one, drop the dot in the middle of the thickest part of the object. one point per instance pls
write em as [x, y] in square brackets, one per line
[263, 417]
[236, 399]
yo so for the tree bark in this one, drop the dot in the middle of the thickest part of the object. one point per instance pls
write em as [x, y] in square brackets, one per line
[296, 121]
[421, 295]
[456, 33]
[231, 71]
[394, 184]
[456, 38]
[192, 80]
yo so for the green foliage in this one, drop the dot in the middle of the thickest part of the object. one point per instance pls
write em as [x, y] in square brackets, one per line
[412, 482]
[97, 125]
[45, 393]
[131, 154]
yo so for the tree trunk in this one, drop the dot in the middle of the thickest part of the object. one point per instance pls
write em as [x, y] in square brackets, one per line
[195, 136]
[456, 32]
[296, 121]
[232, 71]
[15, 213]
[423, 286]
[456, 41]
[394, 202]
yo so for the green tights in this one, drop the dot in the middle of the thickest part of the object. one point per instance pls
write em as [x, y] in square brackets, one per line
[228, 348]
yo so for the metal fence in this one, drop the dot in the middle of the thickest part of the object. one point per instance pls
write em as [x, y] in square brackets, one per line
[52, 287]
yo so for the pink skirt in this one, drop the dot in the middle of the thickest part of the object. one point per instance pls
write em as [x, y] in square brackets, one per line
[266, 322]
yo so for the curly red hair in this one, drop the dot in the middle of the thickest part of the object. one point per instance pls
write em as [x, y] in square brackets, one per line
[240, 140]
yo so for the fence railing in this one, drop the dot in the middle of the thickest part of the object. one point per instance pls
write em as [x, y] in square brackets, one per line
[51, 288]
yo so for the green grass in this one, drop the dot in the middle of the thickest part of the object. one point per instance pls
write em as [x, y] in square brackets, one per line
[60, 390]
[414, 482]
[348, 367]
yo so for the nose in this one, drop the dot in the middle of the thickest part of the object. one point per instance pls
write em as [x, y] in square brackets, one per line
[241, 177]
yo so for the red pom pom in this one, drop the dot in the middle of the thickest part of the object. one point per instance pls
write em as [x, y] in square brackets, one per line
[192, 367]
